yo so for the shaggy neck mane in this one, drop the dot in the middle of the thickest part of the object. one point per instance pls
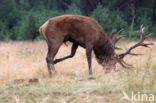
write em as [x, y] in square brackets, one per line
[104, 50]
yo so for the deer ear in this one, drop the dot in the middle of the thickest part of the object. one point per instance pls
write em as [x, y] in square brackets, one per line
[112, 33]
[119, 31]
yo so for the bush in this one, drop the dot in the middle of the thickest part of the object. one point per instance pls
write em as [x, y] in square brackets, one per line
[27, 29]
[143, 17]
[73, 9]
[4, 33]
[20, 19]
[109, 20]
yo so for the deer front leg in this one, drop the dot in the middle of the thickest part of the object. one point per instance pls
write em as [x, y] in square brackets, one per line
[89, 58]
[73, 51]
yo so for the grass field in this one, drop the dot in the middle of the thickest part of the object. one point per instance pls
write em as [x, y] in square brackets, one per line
[24, 76]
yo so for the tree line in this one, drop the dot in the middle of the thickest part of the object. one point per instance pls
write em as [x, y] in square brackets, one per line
[20, 19]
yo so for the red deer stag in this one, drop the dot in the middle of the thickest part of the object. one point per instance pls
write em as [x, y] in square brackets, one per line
[87, 33]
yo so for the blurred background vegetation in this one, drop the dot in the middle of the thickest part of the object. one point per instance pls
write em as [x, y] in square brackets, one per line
[20, 19]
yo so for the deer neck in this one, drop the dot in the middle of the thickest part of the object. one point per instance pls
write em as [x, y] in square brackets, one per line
[104, 49]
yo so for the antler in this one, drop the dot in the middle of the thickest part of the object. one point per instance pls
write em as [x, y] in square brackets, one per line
[115, 38]
[128, 52]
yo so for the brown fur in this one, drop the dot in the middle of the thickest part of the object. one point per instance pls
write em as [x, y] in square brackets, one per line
[81, 31]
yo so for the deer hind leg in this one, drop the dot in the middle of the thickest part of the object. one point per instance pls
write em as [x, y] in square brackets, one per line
[89, 58]
[73, 51]
[52, 51]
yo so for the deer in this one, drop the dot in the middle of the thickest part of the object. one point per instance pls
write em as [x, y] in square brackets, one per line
[87, 33]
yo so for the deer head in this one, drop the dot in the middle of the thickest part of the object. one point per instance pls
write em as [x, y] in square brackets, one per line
[119, 58]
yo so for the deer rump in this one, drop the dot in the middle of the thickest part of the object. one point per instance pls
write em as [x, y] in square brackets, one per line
[80, 31]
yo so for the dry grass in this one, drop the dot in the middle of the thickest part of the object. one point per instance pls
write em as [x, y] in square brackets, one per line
[21, 61]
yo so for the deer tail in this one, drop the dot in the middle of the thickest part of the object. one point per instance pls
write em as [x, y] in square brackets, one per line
[40, 30]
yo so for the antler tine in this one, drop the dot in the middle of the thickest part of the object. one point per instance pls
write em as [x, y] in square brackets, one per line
[142, 28]
[120, 31]
[140, 43]
[124, 64]
[116, 37]
[149, 35]
[113, 31]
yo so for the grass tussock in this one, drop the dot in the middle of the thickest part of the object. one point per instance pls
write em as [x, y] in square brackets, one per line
[24, 76]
